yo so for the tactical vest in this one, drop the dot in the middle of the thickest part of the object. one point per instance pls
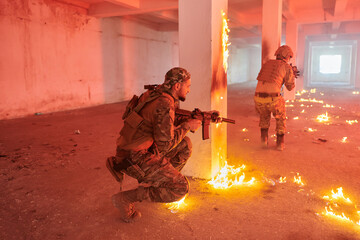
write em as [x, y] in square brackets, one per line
[137, 132]
[271, 72]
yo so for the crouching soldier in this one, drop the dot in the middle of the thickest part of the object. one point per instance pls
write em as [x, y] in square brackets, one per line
[151, 148]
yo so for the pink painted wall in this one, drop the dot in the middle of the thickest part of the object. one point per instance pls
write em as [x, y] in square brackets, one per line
[54, 57]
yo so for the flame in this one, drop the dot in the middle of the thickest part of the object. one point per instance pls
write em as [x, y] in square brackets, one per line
[175, 206]
[323, 117]
[344, 140]
[282, 180]
[244, 130]
[296, 118]
[334, 200]
[329, 211]
[297, 180]
[299, 93]
[328, 106]
[351, 122]
[225, 40]
[310, 100]
[338, 195]
[290, 105]
[230, 176]
[310, 130]
[302, 111]
[313, 90]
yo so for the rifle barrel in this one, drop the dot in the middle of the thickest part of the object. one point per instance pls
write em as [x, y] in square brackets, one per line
[228, 120]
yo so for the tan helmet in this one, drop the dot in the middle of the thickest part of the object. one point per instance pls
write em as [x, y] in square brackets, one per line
[284, 52]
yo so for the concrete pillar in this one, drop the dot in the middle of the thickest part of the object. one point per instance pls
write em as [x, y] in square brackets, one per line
[200, 47]
[291, 41]
[300, 58]
[271, 28]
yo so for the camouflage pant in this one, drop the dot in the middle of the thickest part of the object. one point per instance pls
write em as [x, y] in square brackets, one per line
[274, 105]
[163, 181]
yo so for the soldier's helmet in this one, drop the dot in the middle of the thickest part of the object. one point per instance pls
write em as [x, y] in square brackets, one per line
[174, 75]
[284, 52]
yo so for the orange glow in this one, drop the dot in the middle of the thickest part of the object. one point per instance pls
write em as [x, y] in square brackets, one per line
[225, 40]
[302, 111]
[310, 130]
[313, 90]
[296, 118]
[339, 195]
[175, 206]
[351, 122]
[330, 211]
[282, 180]
[344, 140]
[323, 118]
[356, 92]
[230, 176]
[338, 204]
[299, 93]
[310, 100]
[328, 106]
[297, 180]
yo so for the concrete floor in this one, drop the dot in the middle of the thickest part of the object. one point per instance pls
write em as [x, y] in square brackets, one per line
[54, 184]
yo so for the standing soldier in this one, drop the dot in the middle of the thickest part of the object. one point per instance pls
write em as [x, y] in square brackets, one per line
[272, 76]
[151, 148]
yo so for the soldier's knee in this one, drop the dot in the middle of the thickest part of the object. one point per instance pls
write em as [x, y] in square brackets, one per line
[188, 143]
[181, 190]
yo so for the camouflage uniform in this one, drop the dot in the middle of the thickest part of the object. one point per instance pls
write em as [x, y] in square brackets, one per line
[271, 105]
[272, 76]
[156, 146]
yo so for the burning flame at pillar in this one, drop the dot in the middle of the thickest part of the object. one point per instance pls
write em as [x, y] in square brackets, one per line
[230, 176]
[225, 40]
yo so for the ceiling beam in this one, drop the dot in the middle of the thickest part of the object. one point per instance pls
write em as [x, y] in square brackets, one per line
[287, 10]
[126, 3]
[314, 16]
[244, 20]
[106, 9]
[75, 3]
[168, 15]
[340, 7]
[329, 6]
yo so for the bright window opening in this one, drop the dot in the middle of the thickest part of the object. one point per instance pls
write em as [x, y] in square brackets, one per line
[330, 64]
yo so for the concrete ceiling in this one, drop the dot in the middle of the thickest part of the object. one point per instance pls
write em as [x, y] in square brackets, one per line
[244, 15]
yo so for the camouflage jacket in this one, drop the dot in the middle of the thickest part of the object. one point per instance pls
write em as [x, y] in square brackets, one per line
[157, 126]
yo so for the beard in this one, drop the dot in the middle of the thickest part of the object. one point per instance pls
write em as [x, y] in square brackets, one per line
[182, 99]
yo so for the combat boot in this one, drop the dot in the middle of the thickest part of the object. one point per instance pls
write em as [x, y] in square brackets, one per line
[124, 201]
[280, 142]
[264, 137]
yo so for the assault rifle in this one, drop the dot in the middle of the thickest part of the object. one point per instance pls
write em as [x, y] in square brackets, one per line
[295, 70]
[205, 117]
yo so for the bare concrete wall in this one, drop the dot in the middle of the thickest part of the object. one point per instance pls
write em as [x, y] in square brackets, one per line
[55, 57]
[244, 64]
